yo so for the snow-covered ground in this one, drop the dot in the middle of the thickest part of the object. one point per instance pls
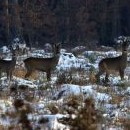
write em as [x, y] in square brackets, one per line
[112, 100]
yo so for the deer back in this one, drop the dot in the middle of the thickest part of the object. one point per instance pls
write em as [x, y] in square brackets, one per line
[44, 64]
[115, 63]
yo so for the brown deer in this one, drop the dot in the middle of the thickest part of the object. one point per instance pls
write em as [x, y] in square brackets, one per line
[43, 64]
[110, 65]
[8, 66]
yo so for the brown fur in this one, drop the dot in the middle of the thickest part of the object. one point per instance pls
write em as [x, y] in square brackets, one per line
[43, 64]
[110, 65]
[92, 78]
[8, 66]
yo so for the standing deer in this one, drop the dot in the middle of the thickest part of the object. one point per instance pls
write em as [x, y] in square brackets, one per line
[8, 66]
[110, 65]
[43, 64]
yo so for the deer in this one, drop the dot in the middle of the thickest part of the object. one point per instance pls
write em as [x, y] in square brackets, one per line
[43, 64]
[8, 66]
[114, 64]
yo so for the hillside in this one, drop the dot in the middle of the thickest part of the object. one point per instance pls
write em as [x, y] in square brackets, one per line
[71, 100]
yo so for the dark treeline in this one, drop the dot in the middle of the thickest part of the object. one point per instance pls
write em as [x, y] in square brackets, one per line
[68, 21]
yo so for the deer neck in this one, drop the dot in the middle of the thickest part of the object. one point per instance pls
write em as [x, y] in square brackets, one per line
[14, 59]
[56, 58]
[124, 55]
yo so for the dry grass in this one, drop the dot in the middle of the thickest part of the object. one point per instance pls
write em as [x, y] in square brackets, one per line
[20, 72]
[12, 127]
[116, 99]
[86, 115]
[53, 108]
[126, 124]
[86, 118]
[1, 127]
[77, 77]
[92, 78]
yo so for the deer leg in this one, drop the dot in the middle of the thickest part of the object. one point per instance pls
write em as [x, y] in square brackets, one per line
[48, 75]
[98, 76]
[106, 78]
[121, 74]
[10, 75]
[7, 75]
[0, 73]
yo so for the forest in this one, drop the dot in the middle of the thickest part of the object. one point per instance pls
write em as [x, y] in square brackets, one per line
[72, 22]
[64, 64]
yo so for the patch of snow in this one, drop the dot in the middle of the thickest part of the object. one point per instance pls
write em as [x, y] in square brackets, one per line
[4, 82]
[103, 97]
[4, 49]
[4, 105]
[21, 81]
[38, 53]
[68, 60]
[53, 121]
[68, 89]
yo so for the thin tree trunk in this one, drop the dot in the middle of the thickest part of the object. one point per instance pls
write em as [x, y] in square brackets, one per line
[7, 21]
[16, 21]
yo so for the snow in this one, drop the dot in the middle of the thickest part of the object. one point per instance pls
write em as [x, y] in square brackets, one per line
[4, 105]
[52, 123]
[4, 49]
[28, 83]
[38, 53]
[18, 81]
[128, 90]
[66, 62]
[70, 89]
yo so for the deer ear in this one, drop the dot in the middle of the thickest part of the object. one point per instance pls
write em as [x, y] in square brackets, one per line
[11, 48]
[58, 44]
[54, 46]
